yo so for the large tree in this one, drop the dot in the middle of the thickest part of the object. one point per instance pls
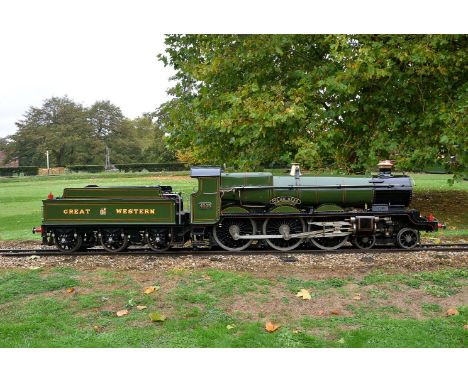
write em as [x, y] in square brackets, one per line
[114, 131]
[74, 134]
[343, 101]
[59, 126]
[152, 139]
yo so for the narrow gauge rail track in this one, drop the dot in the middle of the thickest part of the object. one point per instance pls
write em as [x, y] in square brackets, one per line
[208, 252]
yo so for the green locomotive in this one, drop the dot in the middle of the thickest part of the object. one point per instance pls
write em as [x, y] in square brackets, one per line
[236, 210]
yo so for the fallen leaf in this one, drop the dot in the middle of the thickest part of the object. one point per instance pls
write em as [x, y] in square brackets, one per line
[271, 327]
[452, 312]
[304, 293]
[151, 289]
[437, 241]
[97, 328]
[157, 317]
[229, 327]
[70, 290]
[122, 312]
[104, 298]
[335, 312]
[465, 327]
[141, 307]
[357, 297]
[321, 312]
[296, 331]
[33, 257]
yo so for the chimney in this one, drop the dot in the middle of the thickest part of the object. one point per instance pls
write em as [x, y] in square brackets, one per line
[385, 167]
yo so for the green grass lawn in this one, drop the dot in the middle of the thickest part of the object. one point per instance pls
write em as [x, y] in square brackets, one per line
[214, 308]
[20, 197]
[437, 182]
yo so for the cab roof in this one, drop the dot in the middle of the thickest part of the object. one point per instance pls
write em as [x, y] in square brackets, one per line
[197, 172]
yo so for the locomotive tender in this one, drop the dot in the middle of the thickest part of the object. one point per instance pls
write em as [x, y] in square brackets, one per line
[237, 210]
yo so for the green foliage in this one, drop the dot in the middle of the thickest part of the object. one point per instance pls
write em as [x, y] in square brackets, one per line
[93, 168]
[341, 101]
[59, 126]
[152, 139]
[75, 135]
[21, 170]
[135, 167]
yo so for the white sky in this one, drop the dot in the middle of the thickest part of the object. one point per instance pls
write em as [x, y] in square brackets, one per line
[106, 50]
[88, 53]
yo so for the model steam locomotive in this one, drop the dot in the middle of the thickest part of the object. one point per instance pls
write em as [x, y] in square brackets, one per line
[237, 210]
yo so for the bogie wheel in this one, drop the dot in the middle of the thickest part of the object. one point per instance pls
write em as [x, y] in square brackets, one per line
[407, 238]
[364, 242]
[225, 231]
[158, 240]
[114, 240]
[284, 227]
[68, 240]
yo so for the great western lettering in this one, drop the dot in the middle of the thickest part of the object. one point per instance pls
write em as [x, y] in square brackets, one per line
[135, 211]
[75, 211]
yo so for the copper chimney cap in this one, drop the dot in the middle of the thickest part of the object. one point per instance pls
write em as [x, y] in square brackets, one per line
[385, 168]
[387, 164]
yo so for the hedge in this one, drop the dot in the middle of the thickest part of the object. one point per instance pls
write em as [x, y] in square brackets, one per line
[21, 170]
[152, 167]
[86, 168]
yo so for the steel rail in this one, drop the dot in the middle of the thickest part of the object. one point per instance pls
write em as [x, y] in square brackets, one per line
[203, 252]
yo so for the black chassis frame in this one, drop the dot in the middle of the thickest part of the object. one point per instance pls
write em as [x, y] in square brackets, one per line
[413, 216]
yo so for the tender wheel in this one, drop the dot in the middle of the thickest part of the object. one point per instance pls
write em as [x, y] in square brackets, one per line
[285, 227]
[364, 242]
[407, 238]
[227, 229]
[68, 240]
[158, 240]
[114, 240]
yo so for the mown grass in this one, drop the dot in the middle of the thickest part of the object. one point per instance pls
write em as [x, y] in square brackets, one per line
[21, 197]
[36, 311]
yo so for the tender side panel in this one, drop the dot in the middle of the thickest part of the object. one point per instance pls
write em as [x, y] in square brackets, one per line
[91, 212]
